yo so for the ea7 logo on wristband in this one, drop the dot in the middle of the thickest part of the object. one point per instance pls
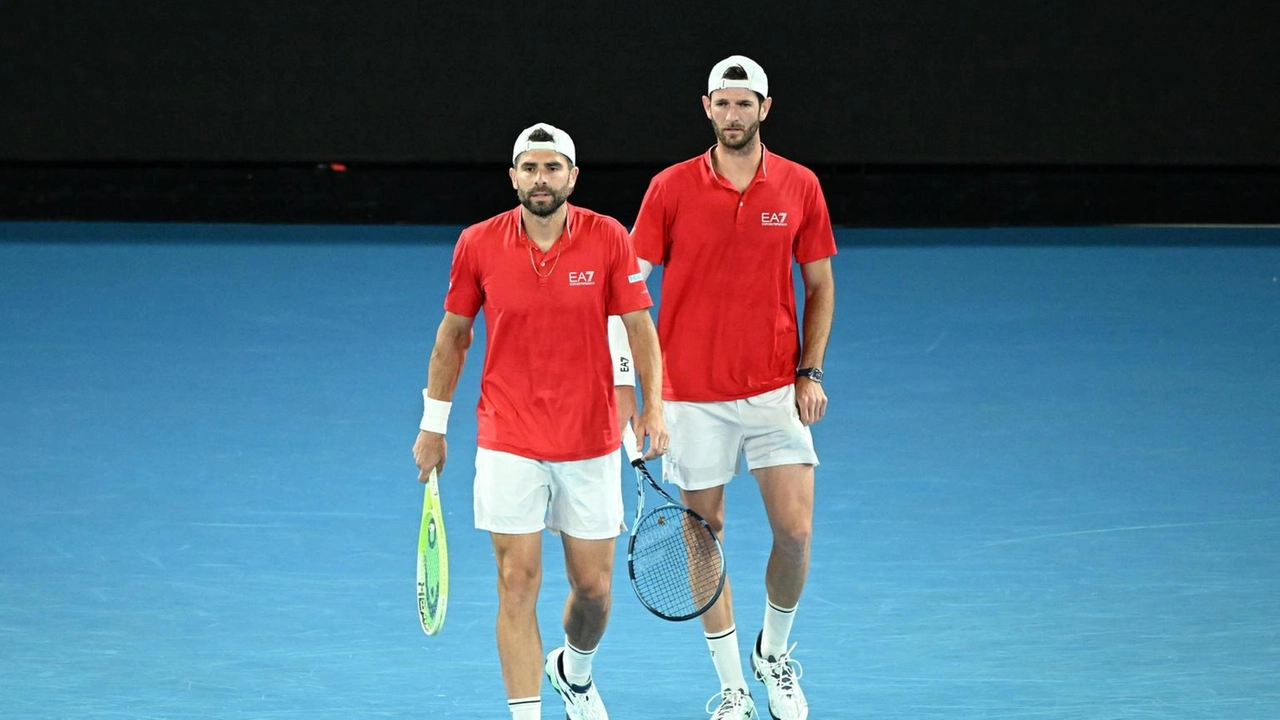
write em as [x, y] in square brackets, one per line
[768, 219]
[583, 277]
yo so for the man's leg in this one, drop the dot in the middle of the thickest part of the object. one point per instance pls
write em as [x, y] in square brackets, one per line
[709, 504]
[706, 441]
[519, 580]
[589, 566]
[788, 492]
[717, 622]
[586, 510]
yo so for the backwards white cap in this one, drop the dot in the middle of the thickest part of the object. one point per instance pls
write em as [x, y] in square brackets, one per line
[560, 142]
[756, 79]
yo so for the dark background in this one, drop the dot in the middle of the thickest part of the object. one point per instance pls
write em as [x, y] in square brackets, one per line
[914, 112]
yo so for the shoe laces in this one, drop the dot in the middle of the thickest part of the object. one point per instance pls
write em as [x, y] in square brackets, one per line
[589, 707]
[729, 702]
[784, 670]
[582, 700]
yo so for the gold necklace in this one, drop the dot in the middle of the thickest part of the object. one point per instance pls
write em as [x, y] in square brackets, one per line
[559, 250]
[534, 264]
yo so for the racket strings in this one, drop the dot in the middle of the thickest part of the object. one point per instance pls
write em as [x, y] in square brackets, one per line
[676, 563]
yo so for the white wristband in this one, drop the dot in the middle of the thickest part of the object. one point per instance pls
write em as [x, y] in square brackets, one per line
[435, 414]
[620, 347]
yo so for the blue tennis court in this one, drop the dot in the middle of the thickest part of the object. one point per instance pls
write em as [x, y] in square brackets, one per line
[1050, 485]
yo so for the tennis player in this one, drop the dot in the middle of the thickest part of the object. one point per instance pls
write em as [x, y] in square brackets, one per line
[547, 275]
[728, 225]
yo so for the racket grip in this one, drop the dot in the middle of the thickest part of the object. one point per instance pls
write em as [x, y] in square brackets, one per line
[629, 444]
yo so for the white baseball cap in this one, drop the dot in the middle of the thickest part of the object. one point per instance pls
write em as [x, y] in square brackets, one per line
[756, 79]
[560, 142]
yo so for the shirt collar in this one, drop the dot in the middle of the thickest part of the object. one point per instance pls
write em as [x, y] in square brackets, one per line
[762, 172]
[570, 216]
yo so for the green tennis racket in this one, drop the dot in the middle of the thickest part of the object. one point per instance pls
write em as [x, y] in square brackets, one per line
[433, 561]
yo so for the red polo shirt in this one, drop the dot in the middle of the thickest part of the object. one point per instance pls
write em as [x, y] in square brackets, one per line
[727, 322]
[546, 391]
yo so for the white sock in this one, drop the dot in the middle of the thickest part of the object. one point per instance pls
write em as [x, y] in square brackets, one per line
[529, 708]
[577, 664]
[777, 630]
[728, 661]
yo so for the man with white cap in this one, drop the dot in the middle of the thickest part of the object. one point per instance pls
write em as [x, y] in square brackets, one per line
[547, 275]
[727, 225]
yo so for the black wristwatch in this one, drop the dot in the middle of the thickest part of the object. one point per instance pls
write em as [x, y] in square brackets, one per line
[814, 374]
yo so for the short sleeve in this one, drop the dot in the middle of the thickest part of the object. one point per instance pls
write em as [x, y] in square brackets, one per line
[649, 235]
[815, 239]
[465, 294]
[627, 289]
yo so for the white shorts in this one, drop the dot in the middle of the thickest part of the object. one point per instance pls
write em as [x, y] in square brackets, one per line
[580, 498]
[707, 438]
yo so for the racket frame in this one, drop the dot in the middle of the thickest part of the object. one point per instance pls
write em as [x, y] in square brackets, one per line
[643, 477]
[432, 515]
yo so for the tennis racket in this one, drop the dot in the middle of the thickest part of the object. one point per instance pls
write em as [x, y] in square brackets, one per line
[674, 558]
[433, 561]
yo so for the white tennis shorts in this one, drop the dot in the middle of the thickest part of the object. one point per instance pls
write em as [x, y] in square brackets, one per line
[708, 438]
[580, 498]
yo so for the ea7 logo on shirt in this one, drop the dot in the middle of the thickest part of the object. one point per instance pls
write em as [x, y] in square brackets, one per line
[582, 277]
[768, 219]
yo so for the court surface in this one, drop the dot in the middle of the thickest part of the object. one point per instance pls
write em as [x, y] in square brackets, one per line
[1050, 485]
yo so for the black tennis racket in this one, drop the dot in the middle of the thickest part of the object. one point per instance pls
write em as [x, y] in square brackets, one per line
[674, 558]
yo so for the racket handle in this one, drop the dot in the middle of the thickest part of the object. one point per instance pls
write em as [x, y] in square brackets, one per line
[629, 443]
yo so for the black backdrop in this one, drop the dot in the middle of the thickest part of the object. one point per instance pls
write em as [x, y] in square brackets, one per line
[940, 97]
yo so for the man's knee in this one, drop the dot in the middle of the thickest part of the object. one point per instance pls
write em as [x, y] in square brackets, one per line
[794, 534]
[519, 582]
[592, 585]
[709, 504]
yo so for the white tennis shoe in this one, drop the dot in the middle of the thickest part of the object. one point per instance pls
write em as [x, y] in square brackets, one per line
[734, 705]
[781, 677]
[581, 702]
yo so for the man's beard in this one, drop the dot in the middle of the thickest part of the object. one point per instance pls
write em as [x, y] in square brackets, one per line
[748, 134]
[546, 209]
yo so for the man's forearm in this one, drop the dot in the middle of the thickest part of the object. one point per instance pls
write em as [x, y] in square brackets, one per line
[819, 309]
[647, 356]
